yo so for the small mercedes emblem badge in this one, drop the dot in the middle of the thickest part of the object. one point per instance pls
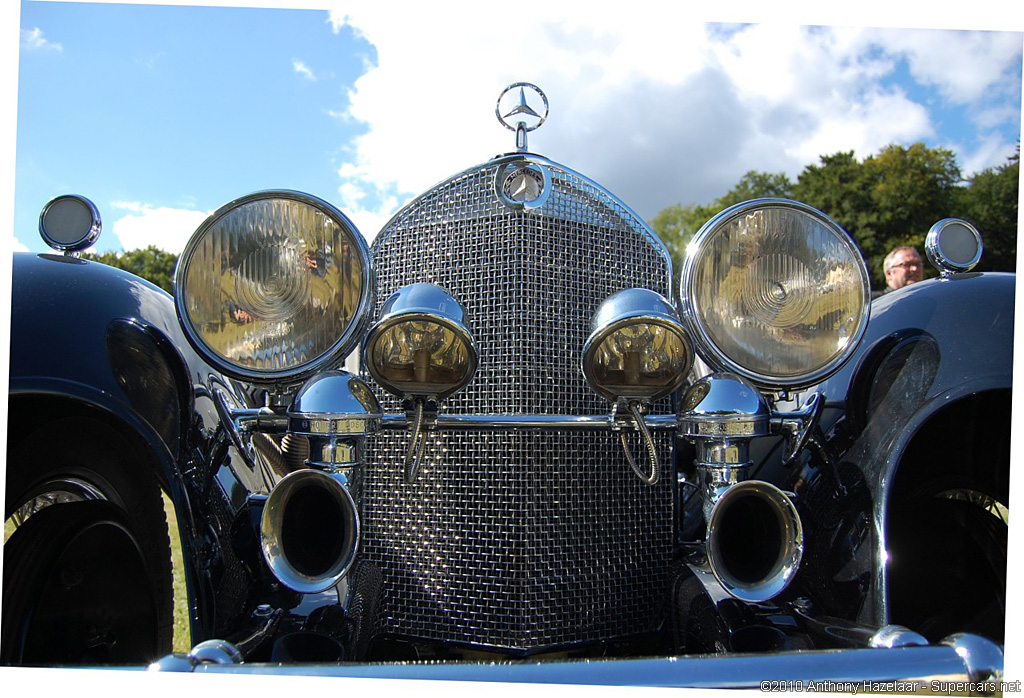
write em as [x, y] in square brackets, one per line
[522, 184]
[522, 107]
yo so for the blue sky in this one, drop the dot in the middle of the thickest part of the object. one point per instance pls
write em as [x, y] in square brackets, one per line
[160, 114]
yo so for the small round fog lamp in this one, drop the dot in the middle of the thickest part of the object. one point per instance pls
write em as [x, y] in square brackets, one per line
[421, 346]
[637, 349]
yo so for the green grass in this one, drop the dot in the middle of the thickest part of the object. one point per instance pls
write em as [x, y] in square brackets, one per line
[182, 636]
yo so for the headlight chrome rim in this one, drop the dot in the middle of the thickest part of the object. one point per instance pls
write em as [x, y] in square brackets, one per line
[335, 351]
[704, 342]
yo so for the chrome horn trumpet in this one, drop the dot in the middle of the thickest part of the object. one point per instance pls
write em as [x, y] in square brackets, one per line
[309, 531]
[755, 540]
[755, 537]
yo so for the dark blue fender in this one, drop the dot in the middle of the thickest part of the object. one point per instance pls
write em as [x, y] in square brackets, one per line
[921, 408]
[88, 339]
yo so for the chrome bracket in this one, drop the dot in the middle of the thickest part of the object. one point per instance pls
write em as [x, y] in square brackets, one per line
[797, 426]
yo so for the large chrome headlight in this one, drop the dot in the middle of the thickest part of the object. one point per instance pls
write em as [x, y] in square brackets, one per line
[775, 291]
[274, 285]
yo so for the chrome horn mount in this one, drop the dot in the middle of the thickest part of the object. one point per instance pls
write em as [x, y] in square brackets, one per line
[755, 539]
[309, 531]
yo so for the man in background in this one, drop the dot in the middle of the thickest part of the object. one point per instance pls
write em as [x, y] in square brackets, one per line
[902, 267]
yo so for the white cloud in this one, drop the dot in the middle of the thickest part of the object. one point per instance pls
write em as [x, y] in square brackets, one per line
[145, 225]
[963, 66]
[303, 69]
[32, 40]
[367, 205]
[993, 151]
[18, 246]
[656, 106]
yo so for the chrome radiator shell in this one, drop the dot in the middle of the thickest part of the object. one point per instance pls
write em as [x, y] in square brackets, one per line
[520, 539]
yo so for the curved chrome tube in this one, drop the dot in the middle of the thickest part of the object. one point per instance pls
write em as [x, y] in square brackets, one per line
[309, 531]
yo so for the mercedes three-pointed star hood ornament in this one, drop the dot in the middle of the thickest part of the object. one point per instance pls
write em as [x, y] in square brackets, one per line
[519, 113]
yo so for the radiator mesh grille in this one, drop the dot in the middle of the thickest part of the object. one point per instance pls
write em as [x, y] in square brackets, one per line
[518, 539]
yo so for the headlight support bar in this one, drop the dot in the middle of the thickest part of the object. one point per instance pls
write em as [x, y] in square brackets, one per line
[554, 422]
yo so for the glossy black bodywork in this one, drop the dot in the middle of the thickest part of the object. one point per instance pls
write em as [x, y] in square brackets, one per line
[921, 408]
[88, 339]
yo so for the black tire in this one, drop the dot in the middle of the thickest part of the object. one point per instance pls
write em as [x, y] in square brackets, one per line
[948, 569]
[86, 582]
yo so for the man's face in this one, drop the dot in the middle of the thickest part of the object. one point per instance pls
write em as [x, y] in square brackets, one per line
[906, 268]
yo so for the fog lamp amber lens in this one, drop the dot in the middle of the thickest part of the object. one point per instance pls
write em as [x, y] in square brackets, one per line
[421, 357]
[421, 345]
[637, 348]
[640, 360]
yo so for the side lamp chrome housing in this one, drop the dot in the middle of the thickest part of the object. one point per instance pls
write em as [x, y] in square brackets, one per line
[953, 246]
[637, 348]
[421, 350]
[309, 532]
[334, 411]
[273, 287]
[421, 347]
[637, 351]
[70, 223]
[755, 537]
[775, 291]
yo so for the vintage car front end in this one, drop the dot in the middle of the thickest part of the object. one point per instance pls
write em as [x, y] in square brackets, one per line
[547, 460]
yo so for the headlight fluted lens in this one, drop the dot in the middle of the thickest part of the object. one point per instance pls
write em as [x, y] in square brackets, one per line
[775, 291]
[273, 285]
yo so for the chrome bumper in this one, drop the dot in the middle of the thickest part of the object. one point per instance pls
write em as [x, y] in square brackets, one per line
[960, 664]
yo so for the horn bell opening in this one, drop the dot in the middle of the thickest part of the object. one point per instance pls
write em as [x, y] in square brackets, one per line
[755, 541]
[309, 531]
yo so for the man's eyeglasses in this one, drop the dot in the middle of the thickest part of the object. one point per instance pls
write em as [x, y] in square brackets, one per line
[906, 265]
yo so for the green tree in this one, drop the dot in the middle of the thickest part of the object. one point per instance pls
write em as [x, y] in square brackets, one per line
[914, 188]
[151, 263]
[677, 224]
[840, 186]
[889, 199]
[990, 203]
